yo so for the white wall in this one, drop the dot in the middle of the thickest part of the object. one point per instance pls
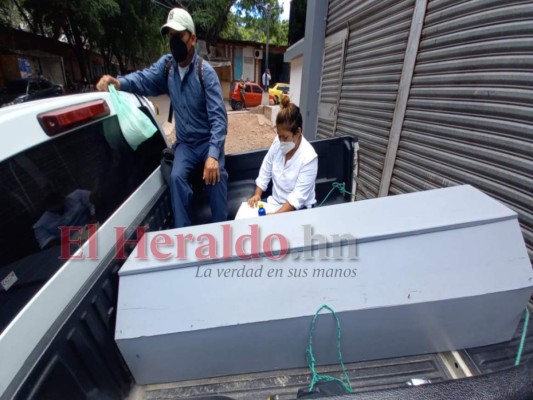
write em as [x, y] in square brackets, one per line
[248, 64]
[296, 79]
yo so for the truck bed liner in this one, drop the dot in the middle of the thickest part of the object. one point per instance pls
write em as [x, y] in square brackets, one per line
[500, 356]
[379, 379]
[364, 376]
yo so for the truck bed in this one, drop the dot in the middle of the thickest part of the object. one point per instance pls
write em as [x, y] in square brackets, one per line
[364, 376]
[80, 360]
[377, 377]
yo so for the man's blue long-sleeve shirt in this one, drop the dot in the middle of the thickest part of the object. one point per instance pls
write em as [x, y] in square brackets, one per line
[199, 118]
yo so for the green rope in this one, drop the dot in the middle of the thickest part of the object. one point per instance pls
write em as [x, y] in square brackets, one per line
[522, 339]
[341, 187]
[312, 361]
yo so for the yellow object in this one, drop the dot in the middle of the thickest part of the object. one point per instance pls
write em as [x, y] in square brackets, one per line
[278, 89]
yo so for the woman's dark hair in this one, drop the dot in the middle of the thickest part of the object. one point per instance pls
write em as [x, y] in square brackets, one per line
[289, 115]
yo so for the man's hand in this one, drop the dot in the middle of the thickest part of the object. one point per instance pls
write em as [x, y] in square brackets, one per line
[211, 171]
[105, 81]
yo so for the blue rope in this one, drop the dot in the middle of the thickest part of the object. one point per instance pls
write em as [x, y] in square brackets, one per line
[522, 339]
[312, 361]
[341, 187]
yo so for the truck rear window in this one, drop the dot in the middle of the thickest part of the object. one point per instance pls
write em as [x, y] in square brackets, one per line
[78, 178]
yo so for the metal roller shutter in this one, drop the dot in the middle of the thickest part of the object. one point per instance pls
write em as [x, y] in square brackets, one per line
[331, 83]
[329, 90]
[469, 117]
[375, 54]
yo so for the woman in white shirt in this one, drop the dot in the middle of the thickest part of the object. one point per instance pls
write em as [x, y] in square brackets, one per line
[291, 163]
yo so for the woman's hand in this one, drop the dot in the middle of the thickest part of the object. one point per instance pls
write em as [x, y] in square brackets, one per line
[252, 201]
[285, 208]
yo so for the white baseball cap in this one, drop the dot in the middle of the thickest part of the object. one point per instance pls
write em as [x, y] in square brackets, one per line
[179, 20]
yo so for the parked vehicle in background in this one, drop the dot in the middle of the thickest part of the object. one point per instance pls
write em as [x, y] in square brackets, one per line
[253, 95]
[27, 89]
[278, 89]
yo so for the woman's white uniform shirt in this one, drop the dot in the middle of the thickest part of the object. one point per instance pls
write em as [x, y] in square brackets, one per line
[292, 181]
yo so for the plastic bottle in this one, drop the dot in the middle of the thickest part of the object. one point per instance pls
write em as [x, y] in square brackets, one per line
[261, 211]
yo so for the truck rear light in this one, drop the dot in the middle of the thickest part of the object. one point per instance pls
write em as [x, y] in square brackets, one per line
[63, 119]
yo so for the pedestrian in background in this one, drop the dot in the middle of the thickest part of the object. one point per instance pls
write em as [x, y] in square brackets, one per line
[266, 79]
[242, 91]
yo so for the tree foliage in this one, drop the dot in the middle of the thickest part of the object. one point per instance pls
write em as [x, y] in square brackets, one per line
[250, 21]
[132, 36]
[121, 30]
[80, 22]
[9, 15]
[127, 31]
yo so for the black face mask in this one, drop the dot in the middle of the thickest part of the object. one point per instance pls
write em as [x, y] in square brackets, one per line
[178, 49]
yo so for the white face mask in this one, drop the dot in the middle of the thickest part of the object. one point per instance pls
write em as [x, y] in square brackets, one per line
[286, 147]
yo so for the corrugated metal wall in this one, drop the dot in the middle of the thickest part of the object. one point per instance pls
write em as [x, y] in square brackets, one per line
[378, 33]
[330, 88]
[469, 116]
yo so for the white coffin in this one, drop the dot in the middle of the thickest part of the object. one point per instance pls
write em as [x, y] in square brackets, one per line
[434, 271]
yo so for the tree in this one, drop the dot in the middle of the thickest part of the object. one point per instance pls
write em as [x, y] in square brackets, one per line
[132, 36]
[210, 17]
[128, 30]
[250, 23]
[214, 19]
[121, 30]
[80, 21]
[9, 15]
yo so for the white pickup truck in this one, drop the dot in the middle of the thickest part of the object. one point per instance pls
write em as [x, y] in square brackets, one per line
[57, 315]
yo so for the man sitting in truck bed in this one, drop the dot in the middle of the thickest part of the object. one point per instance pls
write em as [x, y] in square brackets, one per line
[199, 111]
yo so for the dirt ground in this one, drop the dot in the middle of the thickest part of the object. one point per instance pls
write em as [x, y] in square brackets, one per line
[248, 131]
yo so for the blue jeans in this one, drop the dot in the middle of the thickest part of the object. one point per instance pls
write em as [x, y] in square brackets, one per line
[186, 159]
